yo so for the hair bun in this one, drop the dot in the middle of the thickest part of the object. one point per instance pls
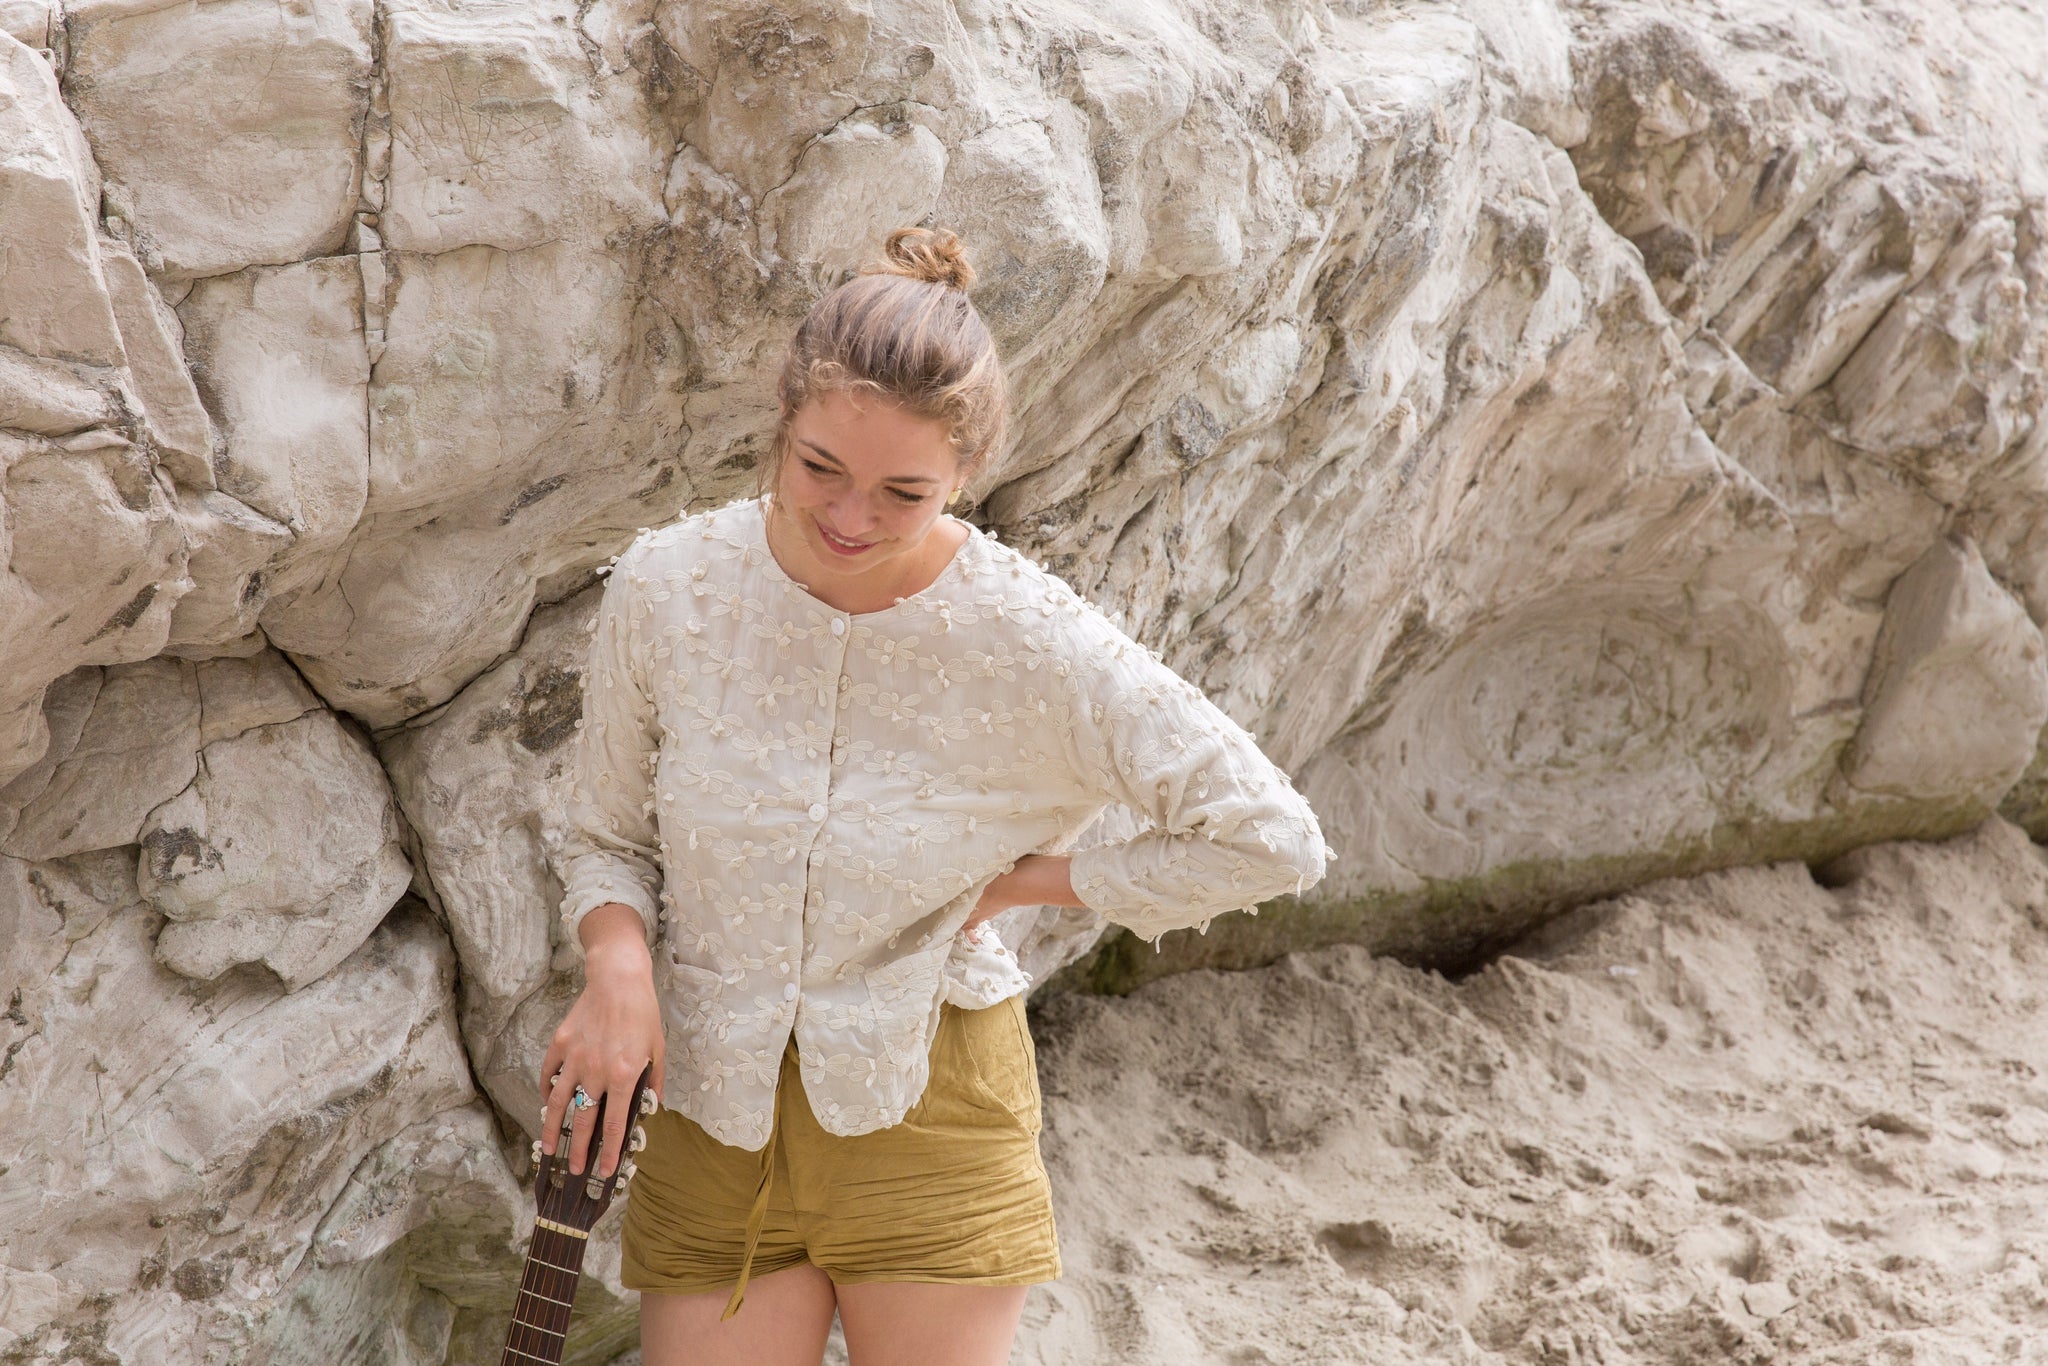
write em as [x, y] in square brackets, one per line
[933, 255]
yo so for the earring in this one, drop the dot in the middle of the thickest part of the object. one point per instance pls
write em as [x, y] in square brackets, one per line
[954, 499]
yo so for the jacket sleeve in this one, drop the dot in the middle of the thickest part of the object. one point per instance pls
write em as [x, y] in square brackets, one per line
[611, 848]
[1228, 830]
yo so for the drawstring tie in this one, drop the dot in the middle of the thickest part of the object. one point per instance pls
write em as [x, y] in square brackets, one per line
[755, 1219]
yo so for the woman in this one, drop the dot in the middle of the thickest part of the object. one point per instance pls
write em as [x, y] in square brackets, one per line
[828, 732]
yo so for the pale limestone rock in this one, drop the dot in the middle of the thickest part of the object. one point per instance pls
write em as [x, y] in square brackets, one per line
[233, 547]
[67, 480]
[238, 694]
[228, 861]
[31, 1298]
[285, 366]
[382, 1203]
[106, 432]
[282, 357]
[67, 706]
[847, 188]
[47, 398]
[427, 1226]
[231, 1115]
[229, 134]
[758, 83]
[134, 750]
[219, 770]
[480, 784]
[1958, 691]
[53, 301]
[176, 421]
[500, 137]
[113, 606]
[523, 406]
[505, 439]
[33, 23]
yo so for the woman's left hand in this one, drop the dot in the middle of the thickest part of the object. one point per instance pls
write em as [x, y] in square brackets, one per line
[1037, 880]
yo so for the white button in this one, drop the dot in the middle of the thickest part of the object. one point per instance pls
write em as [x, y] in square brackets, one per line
[817, 812]
[838, 626]
[789, 992]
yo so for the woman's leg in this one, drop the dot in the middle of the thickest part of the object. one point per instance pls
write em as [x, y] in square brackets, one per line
[783, 1322]
[919, 1323]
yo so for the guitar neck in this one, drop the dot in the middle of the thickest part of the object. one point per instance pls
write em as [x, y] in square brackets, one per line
[540, 1316]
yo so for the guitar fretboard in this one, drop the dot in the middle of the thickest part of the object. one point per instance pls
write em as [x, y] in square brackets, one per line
[540, 1316]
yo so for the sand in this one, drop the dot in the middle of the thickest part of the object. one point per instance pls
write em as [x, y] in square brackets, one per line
[1747, 1117]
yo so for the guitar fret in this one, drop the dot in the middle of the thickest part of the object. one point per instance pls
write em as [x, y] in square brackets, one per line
[549, 1298]
[543, 1308]
[538, 1328]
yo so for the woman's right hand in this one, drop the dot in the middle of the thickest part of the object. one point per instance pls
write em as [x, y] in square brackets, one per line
[609, 1035]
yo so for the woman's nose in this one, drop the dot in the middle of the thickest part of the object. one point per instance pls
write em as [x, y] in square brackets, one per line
[852, 515]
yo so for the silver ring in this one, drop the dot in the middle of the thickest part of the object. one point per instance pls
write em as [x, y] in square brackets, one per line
[581, 1099]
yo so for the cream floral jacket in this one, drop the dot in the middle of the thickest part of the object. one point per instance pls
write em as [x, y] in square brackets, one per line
[805, 804]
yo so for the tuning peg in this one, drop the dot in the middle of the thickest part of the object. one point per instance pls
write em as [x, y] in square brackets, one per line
[626, 1170]
[648, 1104]
[638, 1141]
[537, 1153]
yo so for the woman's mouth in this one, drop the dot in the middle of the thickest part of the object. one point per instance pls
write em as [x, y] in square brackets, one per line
[841, 545]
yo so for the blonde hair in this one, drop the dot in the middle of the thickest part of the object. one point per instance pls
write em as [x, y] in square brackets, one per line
[904, 331]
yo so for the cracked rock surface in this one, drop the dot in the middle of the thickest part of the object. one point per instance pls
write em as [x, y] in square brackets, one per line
[1587, 441]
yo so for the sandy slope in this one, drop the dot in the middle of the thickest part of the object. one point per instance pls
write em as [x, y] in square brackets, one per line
[1744, 1117]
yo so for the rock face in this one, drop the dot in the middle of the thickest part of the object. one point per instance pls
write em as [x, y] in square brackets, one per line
[1586, 442]
[180, 1143]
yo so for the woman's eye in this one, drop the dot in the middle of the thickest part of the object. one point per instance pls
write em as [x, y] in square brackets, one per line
[827, 472]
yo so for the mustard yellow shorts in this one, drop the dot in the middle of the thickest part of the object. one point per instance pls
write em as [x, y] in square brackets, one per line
[955, 1193]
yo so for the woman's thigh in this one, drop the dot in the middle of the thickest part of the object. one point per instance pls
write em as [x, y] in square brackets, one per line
[783, 1322]
[917, 1323]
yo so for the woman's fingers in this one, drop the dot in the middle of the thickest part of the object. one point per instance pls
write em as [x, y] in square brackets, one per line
[618, 1113]
[561, 1088]
[981, 916]
[606, 1039]
[583, 1119]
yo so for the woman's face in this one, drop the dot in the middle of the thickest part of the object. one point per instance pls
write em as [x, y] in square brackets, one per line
[864, 483]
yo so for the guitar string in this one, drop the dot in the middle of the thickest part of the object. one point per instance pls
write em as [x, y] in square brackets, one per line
[558, 1263]
[565, 1245]
[560, 1270]
[545, 1273]
[561, 1276]
[532, 1330]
